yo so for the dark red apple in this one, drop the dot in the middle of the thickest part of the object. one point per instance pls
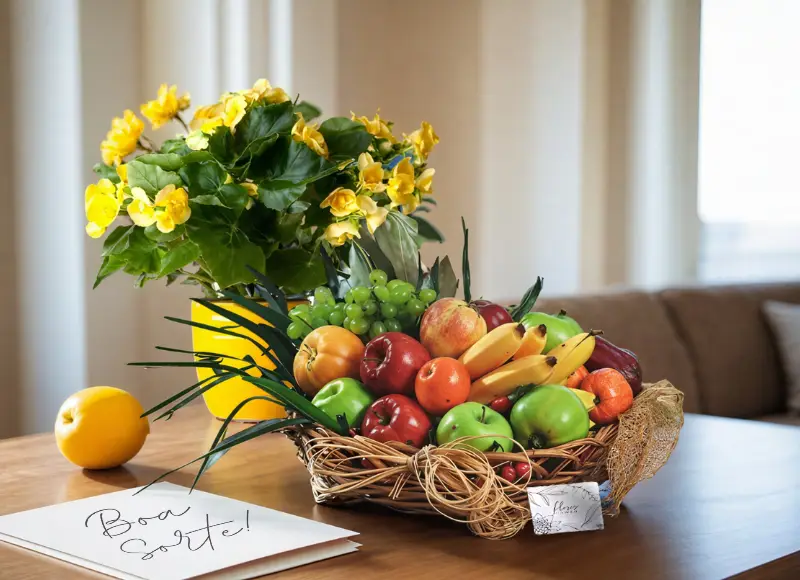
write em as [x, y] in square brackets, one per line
[492, 313]
[391, 362]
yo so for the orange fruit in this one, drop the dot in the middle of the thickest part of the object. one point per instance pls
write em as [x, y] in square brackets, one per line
[441, 384]
[100, 427]
[576, 378]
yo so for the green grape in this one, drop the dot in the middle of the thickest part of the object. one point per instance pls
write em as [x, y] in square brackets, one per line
[378, 277]
[322, 295]
[392, 325]
[381, 293]
[370, 307]
[321, 311]
[427, 295]
[361, 294]
[294, 330]
[376, 329]
[302, 308]
[410, 286]
[392, 284]
[337, 318]
[359, 326]
[339, 307]
[354, 311]
[415, 307]
[400, 295]
[346, 323]
[317, 322]
[388, 310]
[348, 297]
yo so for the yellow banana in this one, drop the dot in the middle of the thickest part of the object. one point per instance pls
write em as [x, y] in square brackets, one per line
[533, 342]
[572, 353]
[493, 349]
[501, 382]
[586, 398]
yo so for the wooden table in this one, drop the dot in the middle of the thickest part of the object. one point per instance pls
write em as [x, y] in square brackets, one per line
[727, 502]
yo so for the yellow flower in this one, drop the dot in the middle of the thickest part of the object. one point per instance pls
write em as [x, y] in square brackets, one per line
[338, 233]
[166, 106]
[102, 202]
[370, 174]
[401, 186]
[374, 214]
[141, 210]
[425, 181]
[262, 90]
[122, 172]
[376, 126]
[252, 191]
[175, 208]
[207, 118]
[309, 135]
[121, 140]
[341, 201]
[235, 108]
[197, 141]
[423, 140]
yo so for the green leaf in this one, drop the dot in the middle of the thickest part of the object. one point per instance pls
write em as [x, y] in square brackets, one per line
[196, 157]
[151, 178]
[274, 296]
[432, 279]
[226, 251]
[106, 172]
[208, 199]
[359, 264]
[528, 300]
[279, 195]
[177, 146]
[178, 257]
[448, 282]
[367, 241]
[271, 315]
[116, 241]
[426, 231]
[309, 111]
[166, 161]
[225, 331]
[465, 262]
[345, 138]
[263, 122]
[156, 235]
[109, 265]
[203, 178]
[234, 196]
[142, 255]
[293, 161]
[220, 145]
[288, 225]
[296, 270]
[396, 239]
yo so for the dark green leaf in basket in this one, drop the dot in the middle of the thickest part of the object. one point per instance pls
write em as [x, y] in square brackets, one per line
[274, 296]
[342, 421]
[331, 275]
[419, 272]
[309, 111]
[432, 279]
[528, 300]
[427, 232]
[396, 239]
[465, 263]
[448, 283]
[346, 139]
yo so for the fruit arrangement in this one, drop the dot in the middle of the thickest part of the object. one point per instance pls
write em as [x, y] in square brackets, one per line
[401, 394]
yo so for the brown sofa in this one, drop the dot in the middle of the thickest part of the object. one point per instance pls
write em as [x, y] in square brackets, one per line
[711, 342]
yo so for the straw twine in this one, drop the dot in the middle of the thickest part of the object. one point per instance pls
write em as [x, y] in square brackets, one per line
[461, 484]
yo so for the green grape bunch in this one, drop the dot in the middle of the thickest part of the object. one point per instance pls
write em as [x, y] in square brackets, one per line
[368, 311]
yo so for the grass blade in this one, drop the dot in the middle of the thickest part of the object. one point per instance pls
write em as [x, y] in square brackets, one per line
[175, 397]
[465, 263]
[274, 317]
[277, 295]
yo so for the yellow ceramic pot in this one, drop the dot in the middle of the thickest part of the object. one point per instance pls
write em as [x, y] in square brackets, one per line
[223, 398]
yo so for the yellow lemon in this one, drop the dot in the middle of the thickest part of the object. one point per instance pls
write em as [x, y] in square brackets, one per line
[100, 427]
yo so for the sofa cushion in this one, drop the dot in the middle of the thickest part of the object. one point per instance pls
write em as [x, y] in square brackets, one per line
[639, 322]
[785, 419]
[784, 320]
[731, 348]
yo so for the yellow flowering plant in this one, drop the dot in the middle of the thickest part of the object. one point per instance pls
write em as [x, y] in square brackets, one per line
[254, 182]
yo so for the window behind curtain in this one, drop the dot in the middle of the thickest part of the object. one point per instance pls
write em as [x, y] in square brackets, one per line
[749, 174]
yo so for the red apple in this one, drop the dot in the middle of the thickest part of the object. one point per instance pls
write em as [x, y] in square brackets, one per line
[492, 313]
[391, 362]
[449, 327]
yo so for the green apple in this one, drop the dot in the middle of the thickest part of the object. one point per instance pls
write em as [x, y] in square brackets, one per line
[346, 397]
[560, 327]
[549, 415]
[472, 419]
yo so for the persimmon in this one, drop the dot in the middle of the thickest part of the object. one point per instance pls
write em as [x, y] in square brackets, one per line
[613, 393]
[441, 384]
[327, 353]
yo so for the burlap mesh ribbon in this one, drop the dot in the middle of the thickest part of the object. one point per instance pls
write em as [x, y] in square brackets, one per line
[460, 483]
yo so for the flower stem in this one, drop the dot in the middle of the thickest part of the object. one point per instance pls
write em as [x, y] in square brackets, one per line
[182, 122]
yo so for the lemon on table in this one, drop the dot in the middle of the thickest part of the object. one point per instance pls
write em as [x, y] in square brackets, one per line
[100, 427]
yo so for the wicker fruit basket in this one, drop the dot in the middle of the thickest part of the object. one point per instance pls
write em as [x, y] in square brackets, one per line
[460, 483]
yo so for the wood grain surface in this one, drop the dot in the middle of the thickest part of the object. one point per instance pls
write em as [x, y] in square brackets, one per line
[727, 503]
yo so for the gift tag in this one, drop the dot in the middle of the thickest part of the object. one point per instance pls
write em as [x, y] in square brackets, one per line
[557, 509]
